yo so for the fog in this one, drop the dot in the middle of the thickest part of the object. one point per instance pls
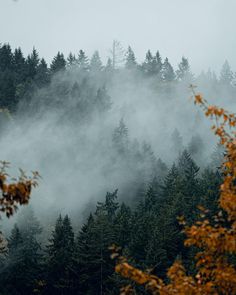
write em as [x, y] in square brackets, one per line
[74, 152]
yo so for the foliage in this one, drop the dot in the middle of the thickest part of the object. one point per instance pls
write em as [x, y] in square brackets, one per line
[215, 238]
[15, 193]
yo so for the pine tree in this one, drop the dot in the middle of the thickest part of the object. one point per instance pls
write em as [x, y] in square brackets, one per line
[32, 63]
[123, 226]
[87, 258]
[120, 138]
[42, 76]
[60, 261]
[71, 60]
[158, 66]
[149, 64]
[183, 72]
[95, 63]
[82, 61]
[109, 67]
[24, 261]
[58, 63]
[102, 100]
[226, 75]
[19, 66]
[168, 74]
[130, 63]
[94, 263]
[6, 58]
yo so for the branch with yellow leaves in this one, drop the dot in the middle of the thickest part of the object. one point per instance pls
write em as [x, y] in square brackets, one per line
[15, 192]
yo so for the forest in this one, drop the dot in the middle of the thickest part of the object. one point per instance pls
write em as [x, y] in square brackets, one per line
[122, 153]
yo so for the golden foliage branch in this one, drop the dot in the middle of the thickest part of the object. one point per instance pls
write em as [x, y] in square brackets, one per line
[15, 192]
[216, 240]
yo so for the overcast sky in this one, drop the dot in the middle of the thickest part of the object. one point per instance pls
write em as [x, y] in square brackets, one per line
[202, 30]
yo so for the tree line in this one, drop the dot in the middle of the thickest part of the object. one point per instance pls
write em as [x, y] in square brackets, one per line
[21, 76]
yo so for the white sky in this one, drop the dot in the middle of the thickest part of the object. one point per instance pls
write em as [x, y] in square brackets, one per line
[202, 30]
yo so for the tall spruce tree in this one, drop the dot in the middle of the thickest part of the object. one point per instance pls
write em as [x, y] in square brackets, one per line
[226, 74]
[95, 63]
[168, 74]
[83, 61]
[58, 63]
[60, 259]
[130, 62]
[183, 72]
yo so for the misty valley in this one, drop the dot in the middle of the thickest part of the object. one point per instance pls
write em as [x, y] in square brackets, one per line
[122, 152]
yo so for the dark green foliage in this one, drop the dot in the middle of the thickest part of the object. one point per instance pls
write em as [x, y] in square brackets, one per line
[58, 63]
[42, 77]
[23, 265]
[92, 247]
[60, 260]
[32, 63]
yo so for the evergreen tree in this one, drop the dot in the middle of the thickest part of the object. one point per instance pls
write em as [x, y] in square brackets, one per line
[130, 59]
[24, 261]
[168, 74]
[158, 66]
[32, 63]
[102, 100]
[95, 63]
[71, 60]
[149, 64]
[109, 67]
[82, 61]
[92, 248]
[19, 66]
[42, 76]
[123, 226]
[6, 58]
[226, 75]
[183, 72]
[120, 138]
[58, 63]
[60, 262]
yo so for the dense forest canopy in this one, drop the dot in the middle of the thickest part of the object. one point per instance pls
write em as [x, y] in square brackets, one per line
[122, 153]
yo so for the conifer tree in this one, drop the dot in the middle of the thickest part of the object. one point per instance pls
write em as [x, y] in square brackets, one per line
[102, 100]
[32, 63]
[120, 138]
[226, 75]
[42, 76]
[130, 59]
[82, 61]
[58, 63]
[168, 74]
[60, 261]
[183, 72]
[71, 60]
[95, 63]
[6, 57]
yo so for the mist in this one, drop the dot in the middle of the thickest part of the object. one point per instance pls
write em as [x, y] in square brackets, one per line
[71, 145]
